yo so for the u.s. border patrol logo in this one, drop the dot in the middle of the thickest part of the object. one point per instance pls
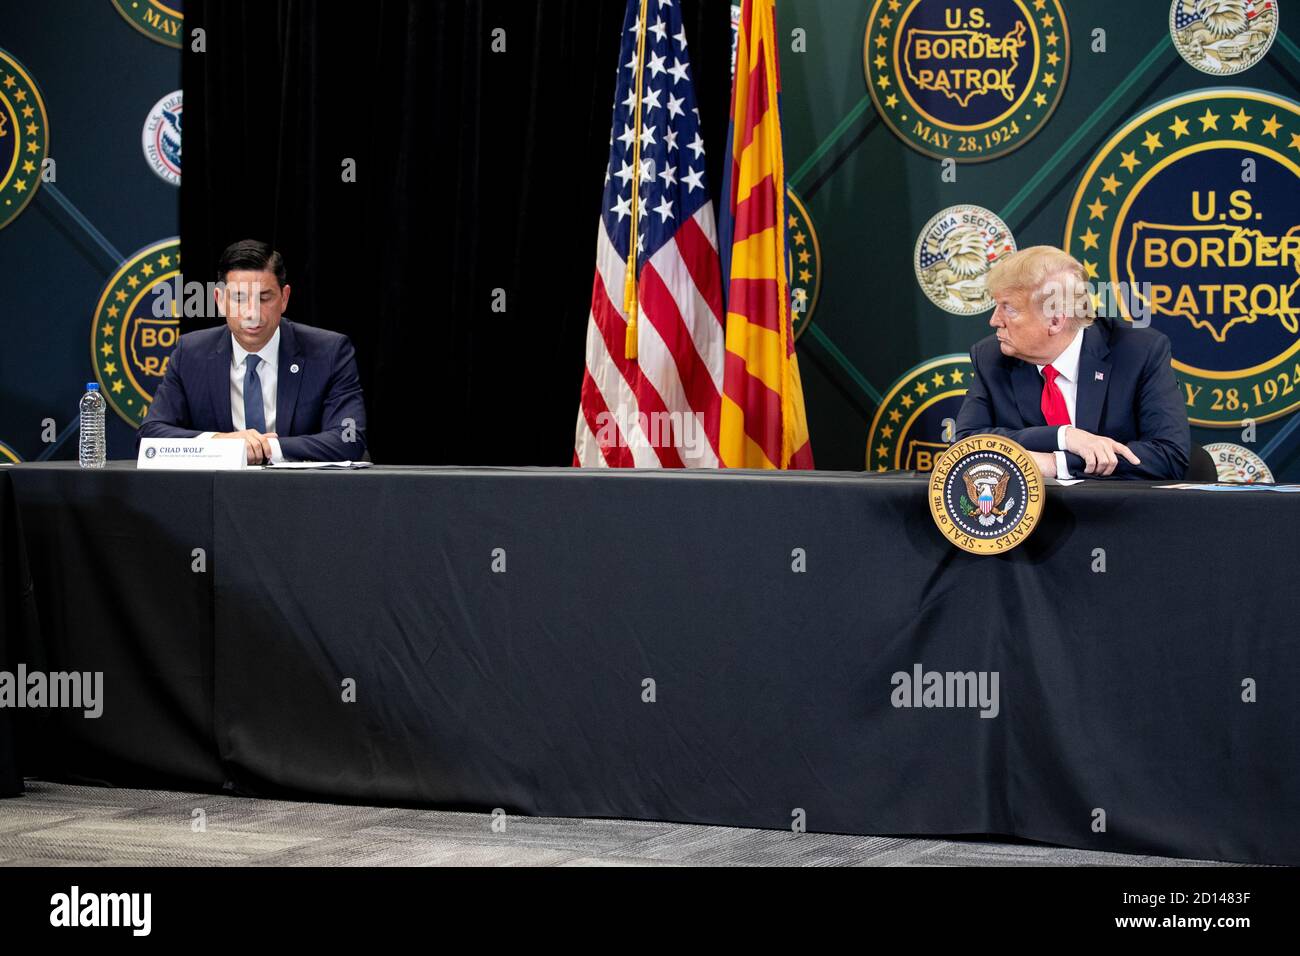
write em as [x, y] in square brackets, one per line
[986, 494]
[955, 251]
[129, 344]
[1192, 211]
[24, 138]
[161, 138]
[914, 423]
[1223, 37]
[156, 19]
[803, 262]
[966, 79]
[1238, 465]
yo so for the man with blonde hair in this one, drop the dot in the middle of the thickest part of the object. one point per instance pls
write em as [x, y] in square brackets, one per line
[1086, 396]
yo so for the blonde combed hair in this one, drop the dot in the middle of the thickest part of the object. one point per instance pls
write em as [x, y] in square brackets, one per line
[1053, 279]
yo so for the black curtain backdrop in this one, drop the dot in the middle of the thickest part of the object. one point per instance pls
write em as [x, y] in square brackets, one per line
[476, 171]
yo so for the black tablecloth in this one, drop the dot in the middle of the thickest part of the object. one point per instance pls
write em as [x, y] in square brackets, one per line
[111, 556]
[16, 624]
[649, 650]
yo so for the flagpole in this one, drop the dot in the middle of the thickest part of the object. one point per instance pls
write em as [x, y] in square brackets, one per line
[629, 277]
[783, 280]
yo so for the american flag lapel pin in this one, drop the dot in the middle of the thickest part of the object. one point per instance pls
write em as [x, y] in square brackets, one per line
[1099, 376]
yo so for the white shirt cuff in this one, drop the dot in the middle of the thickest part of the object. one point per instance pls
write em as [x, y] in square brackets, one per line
[277, 456]
[1060, 437]
[205, 435]
[1062, 466]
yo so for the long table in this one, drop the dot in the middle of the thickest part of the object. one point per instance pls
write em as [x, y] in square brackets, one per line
[731, 648]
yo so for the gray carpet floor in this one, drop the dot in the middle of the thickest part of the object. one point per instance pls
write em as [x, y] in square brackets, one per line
[59, 825]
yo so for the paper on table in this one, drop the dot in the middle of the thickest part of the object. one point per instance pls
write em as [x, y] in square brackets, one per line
[318, 464]
[1194, 487]
[1064, 481]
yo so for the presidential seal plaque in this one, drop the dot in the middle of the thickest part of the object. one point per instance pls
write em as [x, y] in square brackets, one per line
[986, 494]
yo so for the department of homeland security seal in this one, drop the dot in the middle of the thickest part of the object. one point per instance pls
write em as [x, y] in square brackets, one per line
[24, 138]
[966, 79]
[803, 262]
[155, 19]
[1223, 37]
[129, 344]
[986, 494]
[913, 423]
[1237, 465]
[161, 138]
[954, 252]
[1192, 212]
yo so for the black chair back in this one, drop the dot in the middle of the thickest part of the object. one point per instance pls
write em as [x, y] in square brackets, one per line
[1200, 466]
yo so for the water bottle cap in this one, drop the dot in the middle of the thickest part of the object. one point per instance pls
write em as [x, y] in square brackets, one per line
[92, 386]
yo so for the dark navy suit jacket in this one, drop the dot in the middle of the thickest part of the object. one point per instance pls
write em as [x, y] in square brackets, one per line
[311, 405]
[1127, 391]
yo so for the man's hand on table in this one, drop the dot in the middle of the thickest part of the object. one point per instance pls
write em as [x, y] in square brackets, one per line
[1100, 454]
[256, 444]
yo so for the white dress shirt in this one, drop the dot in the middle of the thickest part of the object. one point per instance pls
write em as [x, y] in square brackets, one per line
[1067, 380]
[268, 375]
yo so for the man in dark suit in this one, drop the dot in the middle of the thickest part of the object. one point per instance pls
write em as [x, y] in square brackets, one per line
[290, 391]
[1087, 397]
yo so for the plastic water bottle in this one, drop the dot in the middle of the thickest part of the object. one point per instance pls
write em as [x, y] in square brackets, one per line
[92, 451]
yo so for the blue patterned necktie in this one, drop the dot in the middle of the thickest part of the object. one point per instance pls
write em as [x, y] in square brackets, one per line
[254, 411]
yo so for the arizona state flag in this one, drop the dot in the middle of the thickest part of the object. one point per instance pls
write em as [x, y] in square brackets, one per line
[763, 420]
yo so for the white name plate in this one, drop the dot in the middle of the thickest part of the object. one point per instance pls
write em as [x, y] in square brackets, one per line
[192, 454]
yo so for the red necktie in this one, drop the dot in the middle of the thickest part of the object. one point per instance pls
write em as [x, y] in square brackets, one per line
[1053, 404]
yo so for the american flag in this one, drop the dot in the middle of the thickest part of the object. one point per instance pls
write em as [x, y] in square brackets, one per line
[928, 256]
[1185, 15]
[651, 396]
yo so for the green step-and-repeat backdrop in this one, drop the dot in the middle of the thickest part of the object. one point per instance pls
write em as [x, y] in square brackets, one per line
[1158, 141]
[90, 165]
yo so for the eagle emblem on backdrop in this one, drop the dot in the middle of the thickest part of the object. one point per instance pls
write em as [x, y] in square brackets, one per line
[1239, 466]
[1223, 37]
[24, 138]
[1189, 219]
[953, 254]
[161, 137]
[969, 80]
